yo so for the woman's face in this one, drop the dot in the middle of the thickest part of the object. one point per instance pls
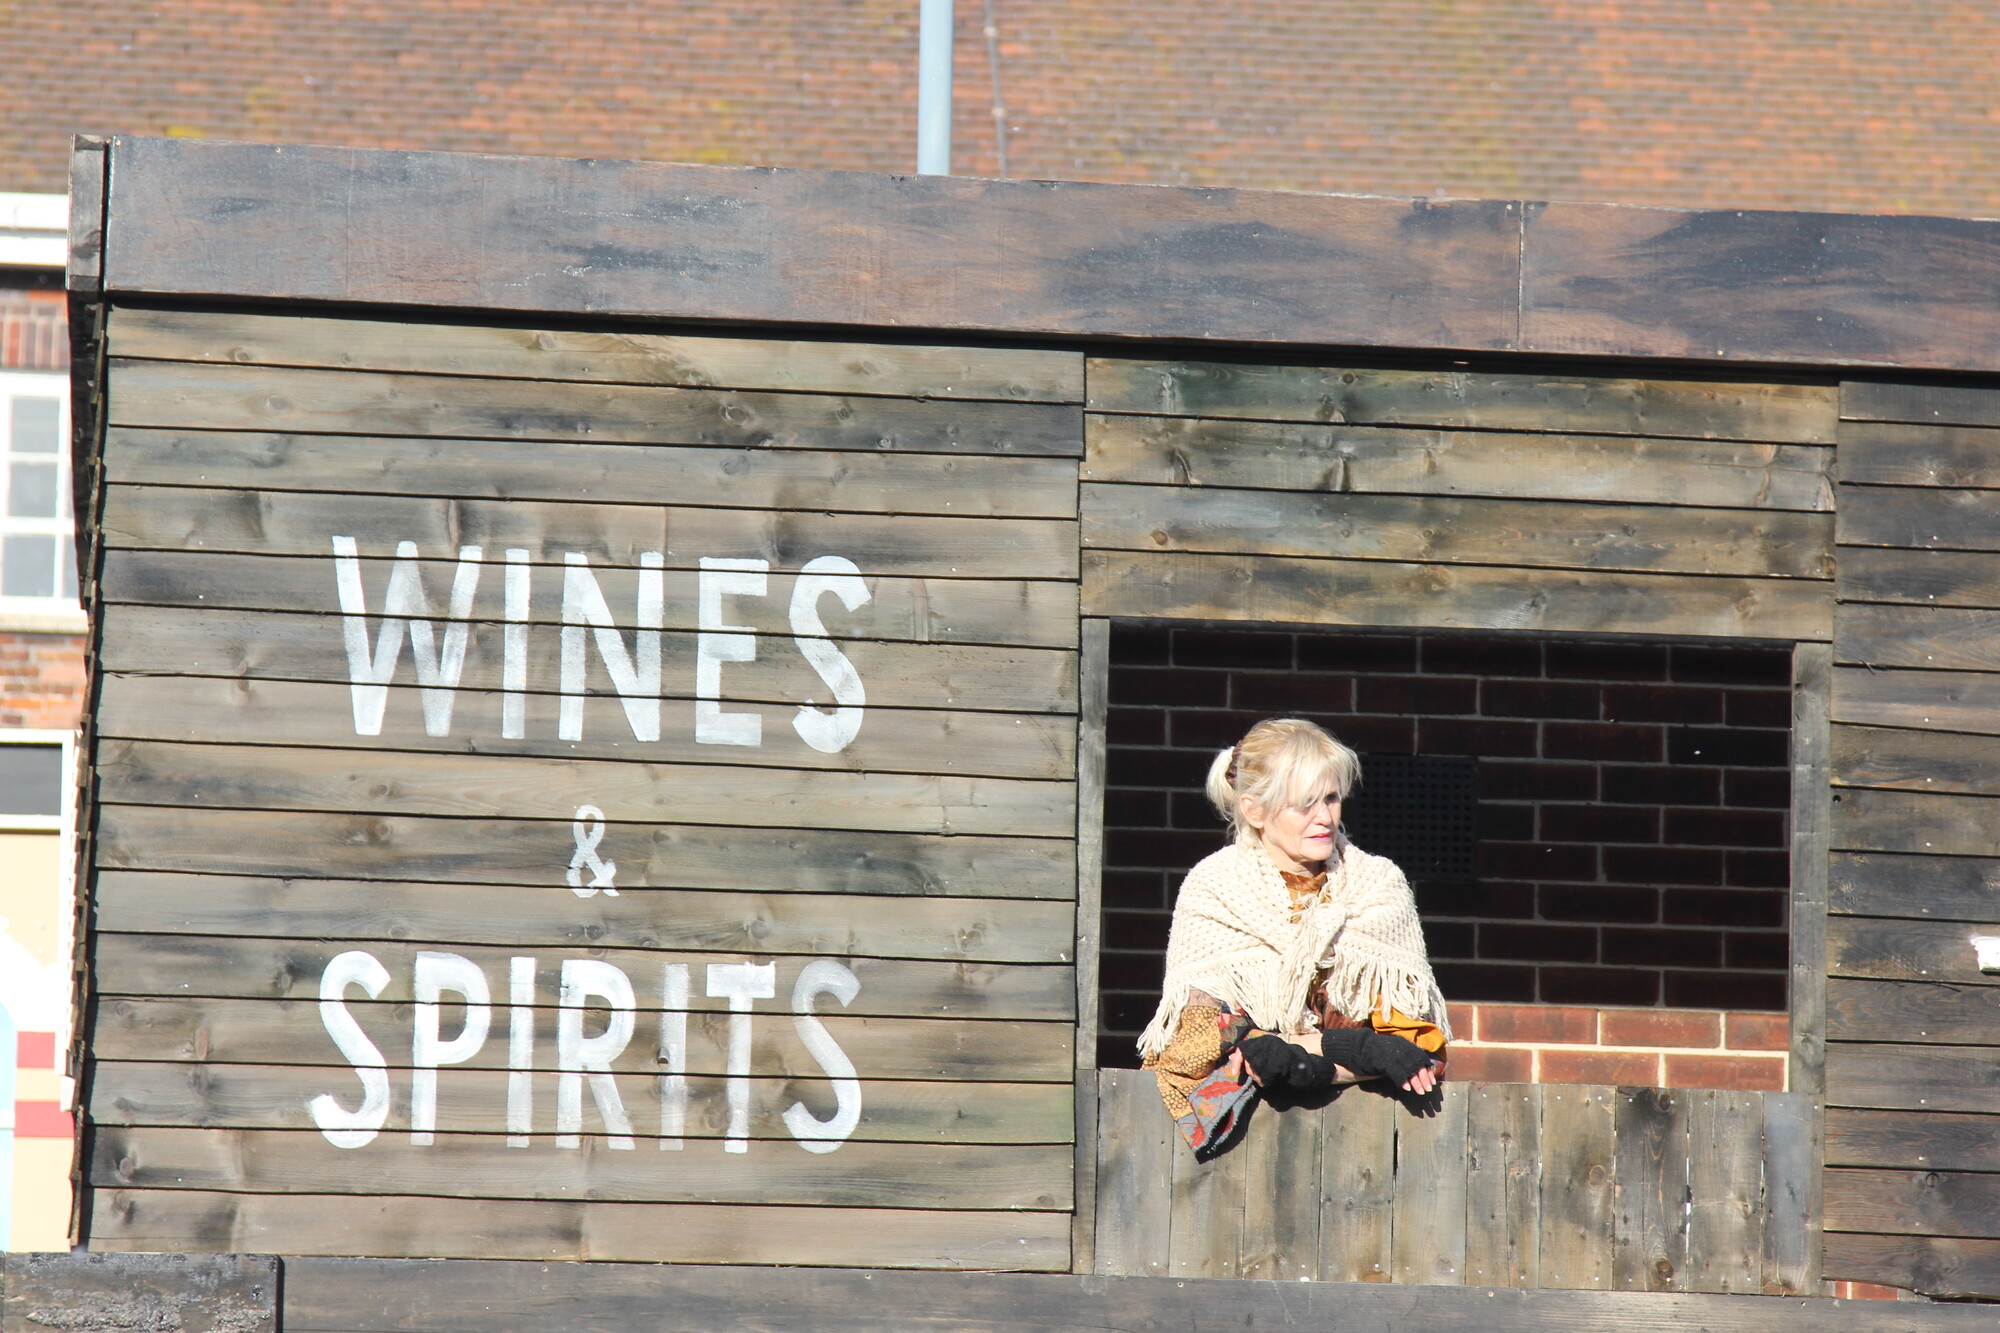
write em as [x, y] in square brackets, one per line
[1299, 838]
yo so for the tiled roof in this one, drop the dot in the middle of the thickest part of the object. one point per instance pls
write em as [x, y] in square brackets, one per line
[1845, 105]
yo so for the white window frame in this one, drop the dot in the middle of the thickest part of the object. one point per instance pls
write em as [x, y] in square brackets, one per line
[63, 825]
[55, 613]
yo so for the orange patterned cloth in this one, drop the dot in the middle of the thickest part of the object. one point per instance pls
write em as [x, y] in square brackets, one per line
[1201, 1076]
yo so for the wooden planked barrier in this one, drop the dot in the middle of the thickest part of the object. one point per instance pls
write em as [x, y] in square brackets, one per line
[569, 795]
[1912, 1045]
[1508, 1185]
[1297, 494]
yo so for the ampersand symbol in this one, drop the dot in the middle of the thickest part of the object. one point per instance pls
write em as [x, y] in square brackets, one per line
[589, 831]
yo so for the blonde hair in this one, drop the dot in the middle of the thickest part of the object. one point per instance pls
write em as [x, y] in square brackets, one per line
[1279, 762]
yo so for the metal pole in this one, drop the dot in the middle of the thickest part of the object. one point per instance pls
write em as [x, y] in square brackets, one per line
[934, 32]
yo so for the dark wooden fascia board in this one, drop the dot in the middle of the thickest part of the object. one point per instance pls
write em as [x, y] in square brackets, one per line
[1046, 259]
[471, 1296]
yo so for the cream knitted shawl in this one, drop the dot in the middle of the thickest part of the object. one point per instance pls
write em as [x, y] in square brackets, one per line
[1234, 937]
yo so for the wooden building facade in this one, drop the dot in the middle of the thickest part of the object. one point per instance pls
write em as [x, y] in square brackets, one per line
[597, 732]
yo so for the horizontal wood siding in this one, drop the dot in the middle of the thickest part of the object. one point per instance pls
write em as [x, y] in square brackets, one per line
[1912, 1045]
[719, 662]
[1449, 499]
[1505, 1185]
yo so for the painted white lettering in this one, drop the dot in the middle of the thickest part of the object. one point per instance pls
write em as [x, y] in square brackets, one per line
[588, 830]
[405, 606]
[826, 732]
[673, 1056]
[823, 976]
[719, 642]
[578, 1055]
[741, 983]
[344, 1128]
[514, 648]
[435, 974]
[636, 676]
[520, 1051]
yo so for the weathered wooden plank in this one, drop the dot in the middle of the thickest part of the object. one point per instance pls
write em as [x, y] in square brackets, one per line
[916, 610]
[178, 1220]
[474, 851]
[1905, 821]
[1646, 282]
[296, 523]
[187, 965]
[1781, 413]
[128, 1293]
[1725, 1213]
[214, 1095]
[976, 929]
[1920, 517]
[329, 1295]
[1905, 950]
[290, 1032]
[1925, 761]
[1503, 1191]
[1429, 1243]
[1940, 1267]
[525, 787]
[181, 395]
[809, 248]
[1923, 1203]
[1093, 680]
[1932, 638]
[1578, 1187]
[1357, 1189]
[482, 1166]
[89, 166]
[1812, 813]
[1455, 530]
[1927, 404]
[288, 646]
[1962, 701]
[1926, 1141]
[1206, 1233]
[1920, 1011]
[1135, 1147]
[1004, 374]
[1888, 1077]
[1649, 1239]
[1919, 578]
[1366, 592]
[1791, 1205]
[249, 711]
[1887, 454]
[858, 483]
[1294, 456]
[1280, 1240]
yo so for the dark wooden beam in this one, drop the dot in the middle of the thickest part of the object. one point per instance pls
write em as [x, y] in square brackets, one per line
[1042, 259]
[471, 1296]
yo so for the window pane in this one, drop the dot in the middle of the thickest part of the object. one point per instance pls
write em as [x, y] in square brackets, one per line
[28, 566]
[66, 567]
[37, 425]
[30, 779]
[31, 490]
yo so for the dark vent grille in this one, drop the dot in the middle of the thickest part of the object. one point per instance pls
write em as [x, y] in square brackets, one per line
[1420, 811]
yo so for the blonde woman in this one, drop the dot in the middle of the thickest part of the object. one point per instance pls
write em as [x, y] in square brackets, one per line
[1296, 960]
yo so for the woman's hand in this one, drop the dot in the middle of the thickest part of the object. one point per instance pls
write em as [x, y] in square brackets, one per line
[1423, 1080]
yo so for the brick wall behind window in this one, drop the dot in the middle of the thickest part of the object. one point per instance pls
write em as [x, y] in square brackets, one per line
[1632, 809]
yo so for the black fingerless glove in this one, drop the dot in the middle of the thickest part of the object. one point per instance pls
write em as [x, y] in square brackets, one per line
[1373, 1054]
[1277, 1063]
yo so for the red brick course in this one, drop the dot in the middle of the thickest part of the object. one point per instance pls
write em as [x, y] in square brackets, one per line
[41, 681]
[1850, 105]
[1666, 1027]
[34, 327]
[1600, 1067]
